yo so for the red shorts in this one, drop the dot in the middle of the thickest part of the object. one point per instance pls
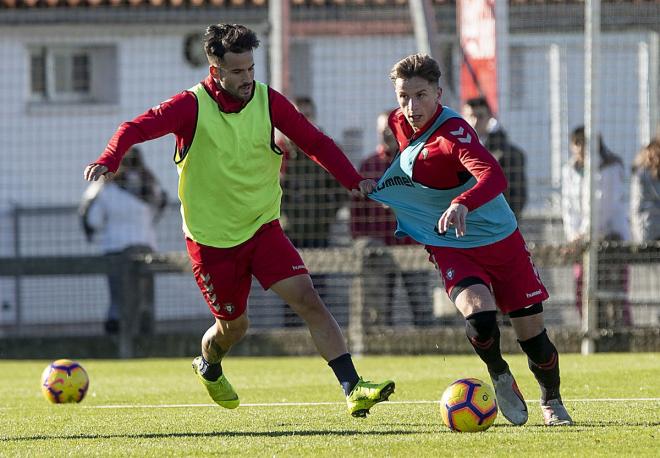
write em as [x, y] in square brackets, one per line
[225, 274]
[506, 266]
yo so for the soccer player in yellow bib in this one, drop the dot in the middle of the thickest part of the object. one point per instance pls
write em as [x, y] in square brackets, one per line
[229, 171]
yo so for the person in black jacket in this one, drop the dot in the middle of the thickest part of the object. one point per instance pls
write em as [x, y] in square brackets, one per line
[511, 158]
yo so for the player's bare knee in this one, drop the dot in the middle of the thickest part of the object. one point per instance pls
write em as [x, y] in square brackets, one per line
[474, 299]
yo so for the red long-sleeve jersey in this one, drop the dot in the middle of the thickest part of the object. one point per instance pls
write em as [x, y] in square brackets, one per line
[178, 116]
[450, 157]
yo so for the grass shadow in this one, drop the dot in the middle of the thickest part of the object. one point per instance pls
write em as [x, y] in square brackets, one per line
[211, 434]
[587, 424]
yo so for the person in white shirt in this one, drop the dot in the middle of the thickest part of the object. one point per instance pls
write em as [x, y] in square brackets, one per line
[123, 211]
[612, 220]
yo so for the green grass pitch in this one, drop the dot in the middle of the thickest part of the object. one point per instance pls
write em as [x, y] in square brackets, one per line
[294, 407]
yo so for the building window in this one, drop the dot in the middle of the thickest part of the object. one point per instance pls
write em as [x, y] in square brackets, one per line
[38, 73]
[73, 74]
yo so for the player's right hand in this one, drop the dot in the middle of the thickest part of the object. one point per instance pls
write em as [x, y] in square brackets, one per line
[365, 187]
[95, 171]
[454, 216]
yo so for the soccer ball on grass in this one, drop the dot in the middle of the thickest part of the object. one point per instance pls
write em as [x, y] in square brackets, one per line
[468, 405]
[64, 381]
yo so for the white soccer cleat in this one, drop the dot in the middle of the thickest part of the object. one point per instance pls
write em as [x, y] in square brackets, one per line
[555, 414]
[510, 400]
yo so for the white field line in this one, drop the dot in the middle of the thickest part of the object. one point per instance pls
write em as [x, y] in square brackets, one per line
[297, 404]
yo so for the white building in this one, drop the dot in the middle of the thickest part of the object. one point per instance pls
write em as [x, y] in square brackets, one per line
[71, 73]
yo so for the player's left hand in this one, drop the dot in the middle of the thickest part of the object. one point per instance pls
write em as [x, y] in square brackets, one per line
[454, 216]
[365, 187]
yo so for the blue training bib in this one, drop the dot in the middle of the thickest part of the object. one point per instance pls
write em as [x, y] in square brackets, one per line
[418, 208]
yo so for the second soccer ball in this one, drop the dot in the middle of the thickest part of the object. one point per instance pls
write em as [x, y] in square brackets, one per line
[64, 381]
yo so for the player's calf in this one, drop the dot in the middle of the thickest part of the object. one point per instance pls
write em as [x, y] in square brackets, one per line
[543, 361]
[484, 335]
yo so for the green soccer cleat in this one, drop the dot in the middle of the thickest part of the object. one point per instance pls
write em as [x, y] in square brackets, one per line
[220, 391]
[367, 394]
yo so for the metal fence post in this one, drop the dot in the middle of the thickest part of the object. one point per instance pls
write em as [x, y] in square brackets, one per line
[356, 303]
[126, 267]
[589, 298]
[16, 220]
[592, 145]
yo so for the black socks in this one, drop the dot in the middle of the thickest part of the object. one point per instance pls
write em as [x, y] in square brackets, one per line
[484, 335]
[345, 372]
[543, 361]
[542, 356]
[210, 372]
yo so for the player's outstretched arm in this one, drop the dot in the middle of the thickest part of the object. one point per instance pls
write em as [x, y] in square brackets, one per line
[95, 171]
[312, 141]
[176, 115]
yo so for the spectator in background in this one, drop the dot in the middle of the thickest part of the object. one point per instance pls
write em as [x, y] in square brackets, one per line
[124, 211]
[612, 224]
[373, 224]
[511, 158]
[645, 194]
[310, 201]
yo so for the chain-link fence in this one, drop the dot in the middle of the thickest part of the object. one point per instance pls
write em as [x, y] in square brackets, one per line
[73, 71]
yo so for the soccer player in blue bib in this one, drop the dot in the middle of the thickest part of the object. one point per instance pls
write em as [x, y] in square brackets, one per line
[446, 191]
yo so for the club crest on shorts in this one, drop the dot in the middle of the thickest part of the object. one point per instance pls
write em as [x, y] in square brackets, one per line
[450, 273]
[228, 307]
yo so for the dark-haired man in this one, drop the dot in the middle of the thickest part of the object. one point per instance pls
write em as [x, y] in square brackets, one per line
[229, 171]
[446, 191]
[477, 112]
